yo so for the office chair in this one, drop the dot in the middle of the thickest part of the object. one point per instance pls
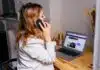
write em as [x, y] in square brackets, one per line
[7, 65]
[10, 28]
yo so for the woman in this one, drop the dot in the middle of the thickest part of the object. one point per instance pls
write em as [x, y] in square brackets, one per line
[36, 51]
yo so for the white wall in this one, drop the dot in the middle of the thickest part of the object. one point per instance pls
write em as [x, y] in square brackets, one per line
[73, 15]
[56, 15]
[74, 18]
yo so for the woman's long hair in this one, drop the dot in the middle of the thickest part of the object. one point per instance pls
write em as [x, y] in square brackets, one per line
[26, 29]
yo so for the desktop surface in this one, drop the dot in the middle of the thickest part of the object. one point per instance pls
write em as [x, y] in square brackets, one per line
[83, 62]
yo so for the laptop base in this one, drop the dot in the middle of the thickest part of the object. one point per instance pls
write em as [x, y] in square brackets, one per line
[66, 54]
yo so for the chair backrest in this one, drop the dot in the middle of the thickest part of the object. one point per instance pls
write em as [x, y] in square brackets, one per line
[12, 43]
[9, 28]
[12, 26]
[4, 55]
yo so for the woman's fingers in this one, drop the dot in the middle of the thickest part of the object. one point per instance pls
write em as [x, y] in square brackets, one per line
[48, 25]
[44, 23]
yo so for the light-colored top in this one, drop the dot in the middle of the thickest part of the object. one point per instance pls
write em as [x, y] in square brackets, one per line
[36, 55]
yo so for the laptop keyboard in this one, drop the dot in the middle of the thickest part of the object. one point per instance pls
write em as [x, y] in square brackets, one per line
[68, 52]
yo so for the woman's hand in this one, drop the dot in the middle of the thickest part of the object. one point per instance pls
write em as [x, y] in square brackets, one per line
[46, 31]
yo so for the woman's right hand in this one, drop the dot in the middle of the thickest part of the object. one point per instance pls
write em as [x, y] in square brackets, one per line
[46, 31]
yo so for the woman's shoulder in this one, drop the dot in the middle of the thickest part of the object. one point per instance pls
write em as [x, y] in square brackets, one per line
[31, 40]
[34, 40]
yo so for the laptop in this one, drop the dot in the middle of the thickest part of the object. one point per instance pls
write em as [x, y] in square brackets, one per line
[72, 46]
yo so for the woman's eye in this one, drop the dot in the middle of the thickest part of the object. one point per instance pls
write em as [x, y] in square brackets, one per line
[42, 16]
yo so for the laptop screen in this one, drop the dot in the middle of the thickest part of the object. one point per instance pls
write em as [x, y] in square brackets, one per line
[75, 41]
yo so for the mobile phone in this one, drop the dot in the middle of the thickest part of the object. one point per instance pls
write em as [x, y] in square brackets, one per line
[38, 22]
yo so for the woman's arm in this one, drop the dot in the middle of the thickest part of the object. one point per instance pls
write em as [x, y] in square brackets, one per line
[51, 49]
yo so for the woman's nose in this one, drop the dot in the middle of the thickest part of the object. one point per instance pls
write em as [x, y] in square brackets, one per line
[43, 16]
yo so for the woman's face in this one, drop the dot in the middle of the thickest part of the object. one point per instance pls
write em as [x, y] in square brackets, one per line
[42, 16]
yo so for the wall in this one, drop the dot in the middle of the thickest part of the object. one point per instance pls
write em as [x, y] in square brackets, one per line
[74, 16]
[56, 15]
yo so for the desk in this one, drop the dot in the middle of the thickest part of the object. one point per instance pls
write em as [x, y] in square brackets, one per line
[80, 63]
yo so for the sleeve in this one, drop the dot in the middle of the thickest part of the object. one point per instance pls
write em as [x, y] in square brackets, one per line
[38, 52]
[50, 46]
